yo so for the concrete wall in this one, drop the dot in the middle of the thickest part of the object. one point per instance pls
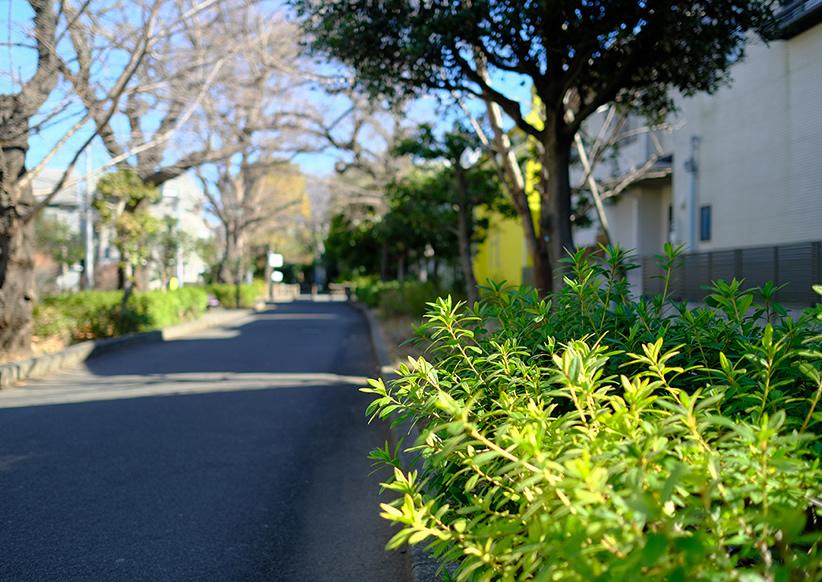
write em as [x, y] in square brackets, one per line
[759, 149]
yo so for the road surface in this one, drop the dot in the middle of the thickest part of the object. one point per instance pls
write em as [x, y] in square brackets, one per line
[238, 454]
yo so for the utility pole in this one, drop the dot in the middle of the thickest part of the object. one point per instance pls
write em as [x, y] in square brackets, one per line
[89, 224]
[178, 207]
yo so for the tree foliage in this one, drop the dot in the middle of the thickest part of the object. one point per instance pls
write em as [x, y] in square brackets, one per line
[577, 55]
[62, 243]
[463, 186]
[135, 230]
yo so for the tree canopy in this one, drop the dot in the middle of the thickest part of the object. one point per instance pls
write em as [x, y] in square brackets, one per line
[577, 54]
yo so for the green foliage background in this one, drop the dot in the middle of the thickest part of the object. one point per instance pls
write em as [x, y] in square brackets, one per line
[226, 293]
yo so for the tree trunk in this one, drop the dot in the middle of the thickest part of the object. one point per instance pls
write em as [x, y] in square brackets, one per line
[556, 240]
[128, 287]
[535, 243]
[227, 262]
[384, 260]
[17, 292]
[401, 266]
[464, 214]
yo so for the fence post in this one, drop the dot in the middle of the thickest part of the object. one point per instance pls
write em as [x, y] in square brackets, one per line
[776, 266]
[710, 268]
[738, 264]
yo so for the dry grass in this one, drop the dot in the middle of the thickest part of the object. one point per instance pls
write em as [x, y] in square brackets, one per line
[39, 347]
[396, 331]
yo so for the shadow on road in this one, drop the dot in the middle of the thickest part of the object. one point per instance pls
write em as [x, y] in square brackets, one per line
[293, 338]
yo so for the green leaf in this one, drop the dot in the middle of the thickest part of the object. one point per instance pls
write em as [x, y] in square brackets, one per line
[655, 547]
[678, 470]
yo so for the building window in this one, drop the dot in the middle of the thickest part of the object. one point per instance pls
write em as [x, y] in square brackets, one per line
[705, 223]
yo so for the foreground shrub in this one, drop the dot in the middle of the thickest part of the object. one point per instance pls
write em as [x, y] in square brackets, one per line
[597, 437]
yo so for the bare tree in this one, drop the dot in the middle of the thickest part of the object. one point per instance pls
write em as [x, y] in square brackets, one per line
[217, 85]
[45, 41]
[133, 74]
[363, 134]
[597, 141]
[160, 128]
[246, 201]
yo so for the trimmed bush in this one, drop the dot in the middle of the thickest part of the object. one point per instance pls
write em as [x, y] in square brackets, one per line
[409, 299]
[393, 298]
[88, 315]
[368, 290]
[79, 316]
[226, 294]
[592, 436]
[159, 309]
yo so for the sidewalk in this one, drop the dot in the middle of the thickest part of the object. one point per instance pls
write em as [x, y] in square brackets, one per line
[424, 567]
[75, 355]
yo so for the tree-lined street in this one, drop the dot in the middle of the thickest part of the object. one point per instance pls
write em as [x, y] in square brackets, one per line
[239, 453]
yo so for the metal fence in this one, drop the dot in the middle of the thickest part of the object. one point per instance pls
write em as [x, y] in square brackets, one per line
[798, 265]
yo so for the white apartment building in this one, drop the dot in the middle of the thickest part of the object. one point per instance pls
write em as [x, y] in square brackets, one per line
[182, 199]
[745, 187]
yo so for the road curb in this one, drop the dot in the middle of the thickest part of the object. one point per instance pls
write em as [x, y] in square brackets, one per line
[424, 567]
[75, 355]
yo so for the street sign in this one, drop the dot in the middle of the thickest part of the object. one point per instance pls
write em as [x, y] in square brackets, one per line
[277, 276]
[275, 260]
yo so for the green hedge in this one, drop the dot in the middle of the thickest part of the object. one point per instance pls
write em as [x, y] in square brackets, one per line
[226, 293]
[393, 298]
[593, 436]
[163, 308]
[98, 314]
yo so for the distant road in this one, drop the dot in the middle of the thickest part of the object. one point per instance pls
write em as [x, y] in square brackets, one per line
[238, 454]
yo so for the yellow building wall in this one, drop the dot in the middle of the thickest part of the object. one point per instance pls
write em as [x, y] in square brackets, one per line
[502, 256]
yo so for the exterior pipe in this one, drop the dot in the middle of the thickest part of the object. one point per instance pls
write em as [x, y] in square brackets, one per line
[691, 168]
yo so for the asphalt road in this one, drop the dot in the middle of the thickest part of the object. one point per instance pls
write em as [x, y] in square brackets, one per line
[237, 454]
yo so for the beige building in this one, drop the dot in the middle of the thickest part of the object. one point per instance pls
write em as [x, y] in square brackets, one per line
[745, 187]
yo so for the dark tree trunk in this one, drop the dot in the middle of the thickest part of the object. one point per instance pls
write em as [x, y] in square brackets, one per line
[17, 291]
[384, 260]
[401, 266]
[464, 231]
[556, 235]
[224, 269]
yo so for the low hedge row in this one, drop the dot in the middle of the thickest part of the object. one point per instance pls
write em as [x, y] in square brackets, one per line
[98, 314]
[593, 436]
[226, 293]
[393, 298]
